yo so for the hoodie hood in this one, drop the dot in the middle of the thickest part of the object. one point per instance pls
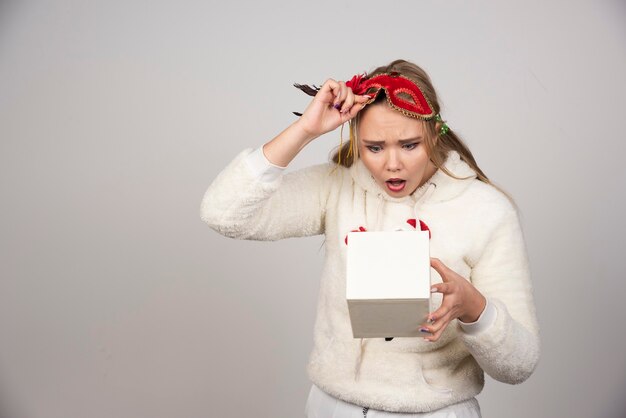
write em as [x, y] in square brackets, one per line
[438, 188]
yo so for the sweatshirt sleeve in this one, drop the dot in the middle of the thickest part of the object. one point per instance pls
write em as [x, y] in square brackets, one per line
[484, 321]
[253, 199]
[261, 167]
[507, 350]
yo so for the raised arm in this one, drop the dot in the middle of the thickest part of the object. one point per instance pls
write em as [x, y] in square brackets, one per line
[333, 105]
[246, 201]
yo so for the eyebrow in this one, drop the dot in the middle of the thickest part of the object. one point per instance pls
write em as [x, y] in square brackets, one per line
[401, 141]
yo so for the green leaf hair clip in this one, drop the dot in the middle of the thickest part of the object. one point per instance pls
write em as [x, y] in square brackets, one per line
[444, 128]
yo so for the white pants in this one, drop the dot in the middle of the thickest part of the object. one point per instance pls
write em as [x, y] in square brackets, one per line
[322, 405]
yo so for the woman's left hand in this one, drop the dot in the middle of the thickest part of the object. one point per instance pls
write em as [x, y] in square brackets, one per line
[460, 300]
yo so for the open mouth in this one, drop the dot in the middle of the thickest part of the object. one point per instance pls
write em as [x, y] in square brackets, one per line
[395, 185]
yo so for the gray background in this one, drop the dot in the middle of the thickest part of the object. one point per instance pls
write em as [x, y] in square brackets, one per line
[115, 116]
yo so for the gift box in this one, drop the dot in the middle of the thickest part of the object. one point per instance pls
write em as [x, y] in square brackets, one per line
[388, 283]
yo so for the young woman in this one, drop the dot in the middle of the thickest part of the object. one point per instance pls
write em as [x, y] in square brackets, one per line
[403, 168]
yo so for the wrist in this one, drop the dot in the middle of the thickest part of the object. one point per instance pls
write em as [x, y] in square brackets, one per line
[302, 133]
[476, 310]
[285, 146]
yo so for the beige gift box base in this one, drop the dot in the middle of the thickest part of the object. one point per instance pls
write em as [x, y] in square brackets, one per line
[388, 283]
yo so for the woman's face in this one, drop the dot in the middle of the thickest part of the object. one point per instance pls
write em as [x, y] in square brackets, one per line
[392, 148]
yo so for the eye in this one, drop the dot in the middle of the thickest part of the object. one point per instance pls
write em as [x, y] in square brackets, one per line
[411, 146]
[374, 148]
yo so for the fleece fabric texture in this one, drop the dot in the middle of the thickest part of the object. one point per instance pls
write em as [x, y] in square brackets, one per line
[475, 231]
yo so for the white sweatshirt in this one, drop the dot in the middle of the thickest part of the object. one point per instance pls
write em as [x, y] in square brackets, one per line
[475, 231]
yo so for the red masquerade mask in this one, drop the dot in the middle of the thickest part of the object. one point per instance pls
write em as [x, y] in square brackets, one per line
[402, 94]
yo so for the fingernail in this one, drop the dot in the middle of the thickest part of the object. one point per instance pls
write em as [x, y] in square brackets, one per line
[433, 289]
[337, 106]
[423, 329]
[431, 319]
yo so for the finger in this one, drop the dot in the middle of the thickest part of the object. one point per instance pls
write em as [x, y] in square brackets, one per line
[438, 326]
[442, 322]
[341, 96]
[435, 336]
[355, 109]
[444, 288]
[329, 91]
[438, 314]
[441, 268]
[362, 98]
[347, 104]
[330, 85]
[360, 101]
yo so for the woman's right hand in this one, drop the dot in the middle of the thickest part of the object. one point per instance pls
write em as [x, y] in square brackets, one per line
[333, 105]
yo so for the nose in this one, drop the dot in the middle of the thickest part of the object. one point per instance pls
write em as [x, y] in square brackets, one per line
[393, 161]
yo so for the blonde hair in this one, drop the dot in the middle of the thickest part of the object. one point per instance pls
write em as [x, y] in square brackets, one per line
[437, 145]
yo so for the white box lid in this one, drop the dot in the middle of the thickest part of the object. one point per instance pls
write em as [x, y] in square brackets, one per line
[388, 265]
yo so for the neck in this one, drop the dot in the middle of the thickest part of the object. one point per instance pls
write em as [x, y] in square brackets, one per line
[430, 171]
